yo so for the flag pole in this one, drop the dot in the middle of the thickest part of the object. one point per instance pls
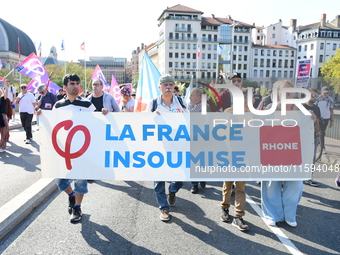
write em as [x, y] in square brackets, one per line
[9, 73]
[85, 67]
[65, 59]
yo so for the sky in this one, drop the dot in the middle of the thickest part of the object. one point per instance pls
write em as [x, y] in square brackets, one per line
[116, 28]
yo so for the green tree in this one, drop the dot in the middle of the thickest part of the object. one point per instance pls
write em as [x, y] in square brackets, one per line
[264, 91]
[135, 81]
[331, 71]
[59, 72]
[252, 84]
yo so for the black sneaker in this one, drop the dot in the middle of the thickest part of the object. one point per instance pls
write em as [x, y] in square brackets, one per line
[194, 189]
[203, 184]
[76, 214]
[238, 222]
[311, 182]
[225, 215]
[172, 199]
[72, 201]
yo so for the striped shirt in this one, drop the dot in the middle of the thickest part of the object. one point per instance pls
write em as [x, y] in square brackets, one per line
[80, 104]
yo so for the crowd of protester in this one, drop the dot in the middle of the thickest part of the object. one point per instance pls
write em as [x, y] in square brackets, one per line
[279, 199]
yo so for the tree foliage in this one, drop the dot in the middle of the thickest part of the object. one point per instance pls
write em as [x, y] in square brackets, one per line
[331, 71]
[57, 78]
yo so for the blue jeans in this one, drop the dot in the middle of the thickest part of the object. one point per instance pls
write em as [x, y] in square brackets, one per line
[279, 202]
[159, 188]
[80, 186]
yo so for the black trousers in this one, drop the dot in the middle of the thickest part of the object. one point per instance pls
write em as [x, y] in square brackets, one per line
[323, 126]
[26, 122]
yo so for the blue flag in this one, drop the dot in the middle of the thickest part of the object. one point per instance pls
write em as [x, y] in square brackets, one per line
[147, 88]
[62, 45]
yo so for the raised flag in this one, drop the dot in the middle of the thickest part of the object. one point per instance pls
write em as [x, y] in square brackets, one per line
[198, 51]
[98, 74]
[82, 46]
[62, 45]
[19, 48]
[0, 64]
[34, 84]
[39, 49]
[34, 68]
[147, 88]
[115, 90]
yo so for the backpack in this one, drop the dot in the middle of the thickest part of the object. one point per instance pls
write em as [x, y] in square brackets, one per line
[154, 103]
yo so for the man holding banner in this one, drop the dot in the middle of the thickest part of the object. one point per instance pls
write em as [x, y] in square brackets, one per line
[103, 101]
[166, 102]
[72, 102]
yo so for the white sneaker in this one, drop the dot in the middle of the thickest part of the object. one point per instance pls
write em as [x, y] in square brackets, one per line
[28, 141]
[2, 150]
[270, 222]
[293, 224]
[324, 151]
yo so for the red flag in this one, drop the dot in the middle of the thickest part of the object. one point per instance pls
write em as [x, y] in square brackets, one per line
[19, 48]
[198, 51]
[82, 46]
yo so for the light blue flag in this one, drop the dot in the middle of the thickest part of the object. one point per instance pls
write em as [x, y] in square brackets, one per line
[147, 88]
[0, 64]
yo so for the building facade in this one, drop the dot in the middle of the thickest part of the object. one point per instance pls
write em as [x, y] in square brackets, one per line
[191, 45]
[318, 41]
[109, 66]
[10, 37]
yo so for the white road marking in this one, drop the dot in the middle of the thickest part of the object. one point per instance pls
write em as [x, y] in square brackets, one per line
[282, 237]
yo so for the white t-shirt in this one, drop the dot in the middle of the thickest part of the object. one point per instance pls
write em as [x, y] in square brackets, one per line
[11, 92]
[175, 106]
[26, 102]
[325, 104]
[128, 105]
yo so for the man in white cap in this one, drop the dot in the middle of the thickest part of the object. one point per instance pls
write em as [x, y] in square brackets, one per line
[257, 98]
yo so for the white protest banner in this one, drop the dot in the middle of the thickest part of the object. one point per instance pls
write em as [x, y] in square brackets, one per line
[176, 147]
[303, 69]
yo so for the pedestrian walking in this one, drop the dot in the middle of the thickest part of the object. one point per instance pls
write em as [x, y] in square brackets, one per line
[166, 102]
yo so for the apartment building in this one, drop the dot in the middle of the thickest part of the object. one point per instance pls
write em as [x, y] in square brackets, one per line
[193, 45]
[318, 41]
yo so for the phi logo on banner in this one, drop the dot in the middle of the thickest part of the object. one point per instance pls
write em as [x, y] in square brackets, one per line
[66, 153]
[280, 145]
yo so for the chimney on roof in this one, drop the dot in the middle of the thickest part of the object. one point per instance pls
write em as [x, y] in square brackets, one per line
[293, 24]
[138, 49]
[337, 21]
[142, 46]
[229, 17]
[213, 16]
[323, 20]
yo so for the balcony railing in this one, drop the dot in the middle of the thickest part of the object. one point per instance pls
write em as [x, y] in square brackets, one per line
[179, 29]
[241, 41]
[204, 39]
[188, 39]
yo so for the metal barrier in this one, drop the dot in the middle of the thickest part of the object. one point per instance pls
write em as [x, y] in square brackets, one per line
[334, 132]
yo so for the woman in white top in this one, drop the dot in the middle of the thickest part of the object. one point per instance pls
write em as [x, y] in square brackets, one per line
[128, 103]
